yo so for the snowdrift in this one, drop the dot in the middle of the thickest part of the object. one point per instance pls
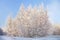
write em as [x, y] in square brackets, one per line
[21, 38]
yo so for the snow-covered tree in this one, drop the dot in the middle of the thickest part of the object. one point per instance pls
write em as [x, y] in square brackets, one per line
[9, 25]
[40, 25]
[30, 22]
[12, 29]
[57, 29]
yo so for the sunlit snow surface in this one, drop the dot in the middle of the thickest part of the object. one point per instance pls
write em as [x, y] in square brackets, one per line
[21, 38]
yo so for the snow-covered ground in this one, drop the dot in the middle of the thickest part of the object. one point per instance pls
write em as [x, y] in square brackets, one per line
[21, 38]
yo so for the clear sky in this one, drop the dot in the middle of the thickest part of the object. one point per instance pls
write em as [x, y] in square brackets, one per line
[12, 6]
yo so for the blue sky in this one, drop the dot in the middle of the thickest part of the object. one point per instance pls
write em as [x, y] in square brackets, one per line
[12, 6]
